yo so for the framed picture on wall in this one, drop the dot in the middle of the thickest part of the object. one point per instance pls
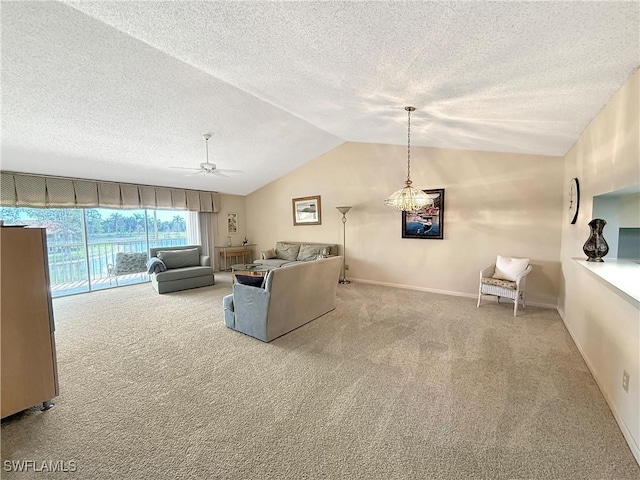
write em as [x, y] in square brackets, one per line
[428, 222]
[307, 210]
[232, 223]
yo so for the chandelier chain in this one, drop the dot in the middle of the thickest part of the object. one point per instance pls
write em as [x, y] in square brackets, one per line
[408, 145]
[408, 198]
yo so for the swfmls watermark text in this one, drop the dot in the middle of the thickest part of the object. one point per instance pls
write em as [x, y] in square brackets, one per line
[45, 466]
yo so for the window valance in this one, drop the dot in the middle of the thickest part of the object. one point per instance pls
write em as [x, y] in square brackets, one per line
[24, 190]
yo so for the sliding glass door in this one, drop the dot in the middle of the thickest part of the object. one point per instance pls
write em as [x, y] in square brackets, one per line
[84, 243]
[110, 232]
[66, 244]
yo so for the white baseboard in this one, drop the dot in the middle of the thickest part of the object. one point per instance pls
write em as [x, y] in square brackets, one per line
[442, 292]
[633, 446]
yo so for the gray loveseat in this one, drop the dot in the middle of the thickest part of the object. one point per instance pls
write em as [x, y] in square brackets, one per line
[289, 252]
[292, 296]
[186, 268]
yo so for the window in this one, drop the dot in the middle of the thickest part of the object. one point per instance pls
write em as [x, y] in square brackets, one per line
[83, 244]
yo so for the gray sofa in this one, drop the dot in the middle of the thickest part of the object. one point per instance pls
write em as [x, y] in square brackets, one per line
[292, 296]
[290, 252]
[186, 268]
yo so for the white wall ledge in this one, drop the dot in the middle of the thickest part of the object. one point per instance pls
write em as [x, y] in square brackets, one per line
[623, 275]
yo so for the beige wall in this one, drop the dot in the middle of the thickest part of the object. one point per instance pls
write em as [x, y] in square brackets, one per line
[495, 203]
[604, 324]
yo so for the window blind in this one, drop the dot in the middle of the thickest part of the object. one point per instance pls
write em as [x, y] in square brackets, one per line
[25, 190]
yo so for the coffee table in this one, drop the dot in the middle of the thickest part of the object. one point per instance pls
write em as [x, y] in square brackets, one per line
[253, 269]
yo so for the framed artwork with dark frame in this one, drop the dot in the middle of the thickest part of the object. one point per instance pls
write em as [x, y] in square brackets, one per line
[428, 222]
[307, 210]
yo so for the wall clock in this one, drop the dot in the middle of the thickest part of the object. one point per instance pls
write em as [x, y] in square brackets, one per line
[574, 200]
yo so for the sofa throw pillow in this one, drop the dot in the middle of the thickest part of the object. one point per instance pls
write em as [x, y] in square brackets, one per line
[287, 251]
[188, 257]
[251, 280]
[509, 268]
[311, 252]
[267, 254]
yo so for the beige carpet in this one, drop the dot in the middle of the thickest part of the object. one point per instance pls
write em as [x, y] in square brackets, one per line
[393, 384]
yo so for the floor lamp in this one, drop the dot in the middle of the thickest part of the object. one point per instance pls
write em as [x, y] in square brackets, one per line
[343, 211]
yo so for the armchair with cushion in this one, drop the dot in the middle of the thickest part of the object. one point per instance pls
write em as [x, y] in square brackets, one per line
[127, 263]
[507, 278]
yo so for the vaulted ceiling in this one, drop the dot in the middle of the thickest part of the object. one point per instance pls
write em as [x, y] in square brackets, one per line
[124, 91]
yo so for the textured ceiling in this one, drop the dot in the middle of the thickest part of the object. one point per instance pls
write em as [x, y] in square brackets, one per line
[124, 90]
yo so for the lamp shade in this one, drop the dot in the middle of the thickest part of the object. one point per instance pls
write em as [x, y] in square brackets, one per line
[408, 199]
[343, 210]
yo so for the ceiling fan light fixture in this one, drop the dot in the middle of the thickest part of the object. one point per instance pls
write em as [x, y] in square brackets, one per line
[207, 167]
[408, 198]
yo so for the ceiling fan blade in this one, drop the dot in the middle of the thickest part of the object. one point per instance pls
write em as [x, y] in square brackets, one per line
[194, 173]
[226, 170]
[219, 174]
[185, 168]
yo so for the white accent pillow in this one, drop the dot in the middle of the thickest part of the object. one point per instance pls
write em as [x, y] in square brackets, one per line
[509, 268]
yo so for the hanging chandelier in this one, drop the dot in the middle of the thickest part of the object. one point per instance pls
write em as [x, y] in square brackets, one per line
[408, 198]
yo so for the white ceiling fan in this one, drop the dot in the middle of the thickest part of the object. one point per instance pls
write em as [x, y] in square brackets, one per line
[208, 167]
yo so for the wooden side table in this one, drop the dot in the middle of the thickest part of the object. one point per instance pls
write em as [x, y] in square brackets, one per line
[235, 252]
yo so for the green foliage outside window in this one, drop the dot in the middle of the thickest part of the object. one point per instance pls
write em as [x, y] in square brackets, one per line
[108, 231]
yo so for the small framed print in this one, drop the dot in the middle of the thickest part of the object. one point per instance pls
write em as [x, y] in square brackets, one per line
[232, 223]
[307, 211]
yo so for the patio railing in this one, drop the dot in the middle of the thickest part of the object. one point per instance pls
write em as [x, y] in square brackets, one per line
[68, 261]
